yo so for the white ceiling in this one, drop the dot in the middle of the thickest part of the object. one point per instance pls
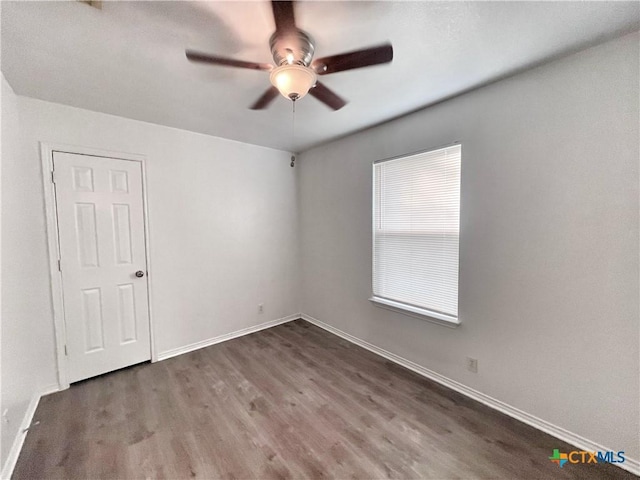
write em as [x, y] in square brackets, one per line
[128, 58]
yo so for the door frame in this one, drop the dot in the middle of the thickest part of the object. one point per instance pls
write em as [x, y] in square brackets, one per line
[46, 153]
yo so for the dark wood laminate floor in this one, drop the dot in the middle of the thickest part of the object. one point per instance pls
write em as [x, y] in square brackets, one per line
[290, 402]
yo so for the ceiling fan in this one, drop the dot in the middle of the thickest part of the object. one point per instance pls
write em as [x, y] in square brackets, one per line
[295, 72]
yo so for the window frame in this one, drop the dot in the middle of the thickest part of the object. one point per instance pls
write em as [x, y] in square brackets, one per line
[394, 305]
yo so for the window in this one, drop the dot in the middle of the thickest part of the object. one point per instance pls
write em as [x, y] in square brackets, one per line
[416, 231]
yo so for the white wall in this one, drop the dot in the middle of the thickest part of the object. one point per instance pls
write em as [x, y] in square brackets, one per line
[223, 232]
[27, 359]
[549, 241]
[222, 219]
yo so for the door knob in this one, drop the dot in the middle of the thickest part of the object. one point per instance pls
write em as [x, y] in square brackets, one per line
[139, 273]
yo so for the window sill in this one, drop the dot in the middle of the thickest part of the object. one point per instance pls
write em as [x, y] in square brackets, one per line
[416, 312]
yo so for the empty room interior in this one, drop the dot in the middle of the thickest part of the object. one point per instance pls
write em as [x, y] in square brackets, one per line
[320, 239]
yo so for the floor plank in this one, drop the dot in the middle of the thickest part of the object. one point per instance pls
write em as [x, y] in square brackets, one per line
[290, 402]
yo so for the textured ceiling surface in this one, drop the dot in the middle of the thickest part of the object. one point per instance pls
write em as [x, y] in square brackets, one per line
[128, 58]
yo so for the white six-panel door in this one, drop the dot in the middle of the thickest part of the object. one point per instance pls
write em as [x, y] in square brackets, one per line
[100, 211]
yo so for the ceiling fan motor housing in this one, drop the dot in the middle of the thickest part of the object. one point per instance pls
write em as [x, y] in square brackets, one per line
[292, 47]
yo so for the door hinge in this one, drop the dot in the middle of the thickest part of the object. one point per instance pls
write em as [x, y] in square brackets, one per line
[65, 351]
[59, 265]
[53, 177]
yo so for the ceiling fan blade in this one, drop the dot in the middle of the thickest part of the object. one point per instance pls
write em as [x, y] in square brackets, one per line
[283, 15]
[266, 98]
[357, 59]
[226, 62]
[327, 96]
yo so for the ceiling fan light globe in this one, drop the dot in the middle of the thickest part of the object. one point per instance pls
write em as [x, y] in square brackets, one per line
[293, 81]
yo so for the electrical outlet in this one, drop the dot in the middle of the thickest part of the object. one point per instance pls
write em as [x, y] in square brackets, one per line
[472, 364]
[260, 308]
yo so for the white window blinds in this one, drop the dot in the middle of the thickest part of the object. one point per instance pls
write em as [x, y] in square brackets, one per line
[416, 215]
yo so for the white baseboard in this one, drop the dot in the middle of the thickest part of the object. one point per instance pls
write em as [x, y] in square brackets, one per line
[227, 336]
[18, 441]
[631, 465]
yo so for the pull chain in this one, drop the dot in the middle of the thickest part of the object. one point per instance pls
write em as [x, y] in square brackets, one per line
[293, 134]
